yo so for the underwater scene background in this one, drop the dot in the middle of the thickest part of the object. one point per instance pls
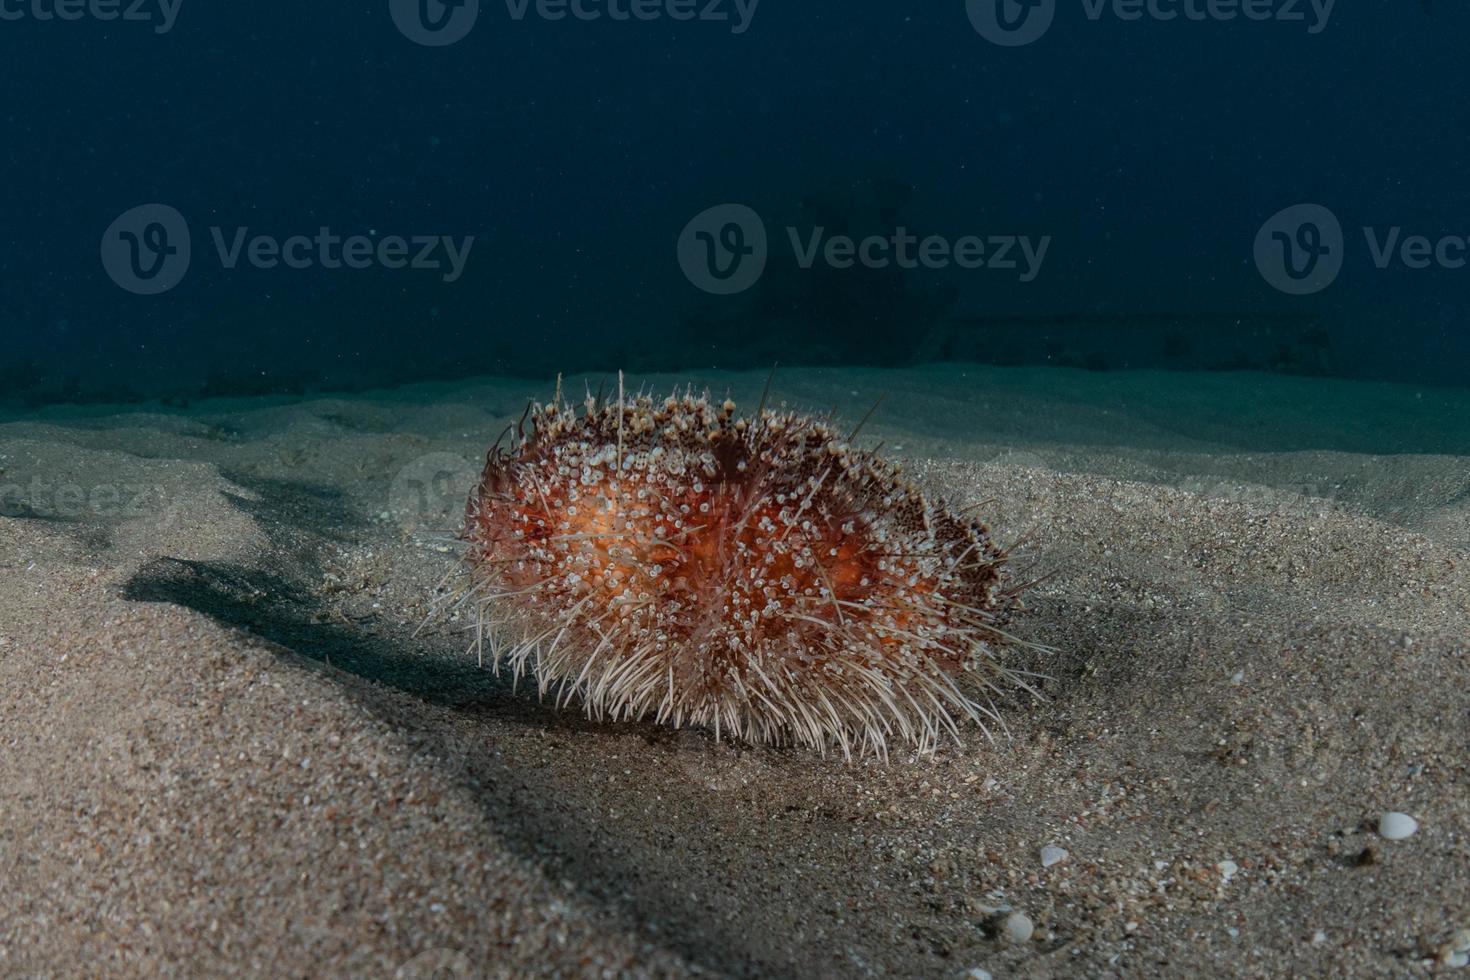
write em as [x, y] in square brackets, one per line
[1110, 356]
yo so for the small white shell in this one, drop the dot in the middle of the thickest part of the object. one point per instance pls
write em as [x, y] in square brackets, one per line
[1396, 826]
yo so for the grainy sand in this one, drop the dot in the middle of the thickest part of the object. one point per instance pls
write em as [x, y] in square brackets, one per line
[223, 751]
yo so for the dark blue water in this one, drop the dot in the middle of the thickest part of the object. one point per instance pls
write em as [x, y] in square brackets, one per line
[1105, 183]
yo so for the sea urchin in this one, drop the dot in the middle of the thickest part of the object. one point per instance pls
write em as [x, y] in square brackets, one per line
[758, 576]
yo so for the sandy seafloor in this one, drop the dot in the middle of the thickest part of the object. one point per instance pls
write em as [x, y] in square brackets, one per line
[224, 752]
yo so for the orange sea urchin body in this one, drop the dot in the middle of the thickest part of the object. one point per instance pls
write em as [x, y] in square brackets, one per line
[756, 576]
